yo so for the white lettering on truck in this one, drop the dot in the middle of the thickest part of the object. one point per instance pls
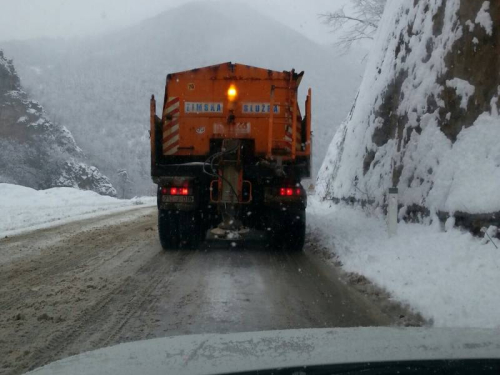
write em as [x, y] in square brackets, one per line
[258, 108]
[196, 107]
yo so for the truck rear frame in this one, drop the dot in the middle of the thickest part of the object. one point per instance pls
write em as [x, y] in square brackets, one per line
[228, 154]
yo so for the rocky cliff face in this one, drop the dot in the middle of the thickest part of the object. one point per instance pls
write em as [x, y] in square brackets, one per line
[426, 119]
[34, 151]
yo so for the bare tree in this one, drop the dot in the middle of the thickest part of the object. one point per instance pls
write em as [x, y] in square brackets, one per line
[358, 25]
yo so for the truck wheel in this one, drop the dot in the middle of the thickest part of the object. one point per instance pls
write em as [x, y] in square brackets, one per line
[190, 229]
[296, 236]
[168, 229]
[289, 232]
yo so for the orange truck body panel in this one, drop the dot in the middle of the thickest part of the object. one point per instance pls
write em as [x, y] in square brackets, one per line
[232, 139]
[197, 109]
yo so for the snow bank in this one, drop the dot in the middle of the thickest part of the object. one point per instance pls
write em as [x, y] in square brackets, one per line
[426, 118]
[23, 209]
[448, 276]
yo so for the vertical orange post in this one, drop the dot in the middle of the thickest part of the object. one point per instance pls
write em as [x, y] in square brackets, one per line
[294, 123]
[271, 124]
[308, 122]
[152, 134]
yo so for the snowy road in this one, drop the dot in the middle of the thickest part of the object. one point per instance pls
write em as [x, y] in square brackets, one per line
[103, 281]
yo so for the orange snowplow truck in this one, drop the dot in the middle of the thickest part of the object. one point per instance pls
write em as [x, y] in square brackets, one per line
[228, 155]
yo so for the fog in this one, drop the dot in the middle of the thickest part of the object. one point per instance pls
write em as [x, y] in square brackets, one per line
[26, 19]
[96, 77]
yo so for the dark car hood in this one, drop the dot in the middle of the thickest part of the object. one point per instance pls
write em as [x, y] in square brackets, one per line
[214, 353]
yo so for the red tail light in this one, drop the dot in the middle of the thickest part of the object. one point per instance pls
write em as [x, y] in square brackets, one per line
[289, 192]
[175, 191]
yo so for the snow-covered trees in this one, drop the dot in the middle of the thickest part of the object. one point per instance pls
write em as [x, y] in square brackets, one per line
[34, 151]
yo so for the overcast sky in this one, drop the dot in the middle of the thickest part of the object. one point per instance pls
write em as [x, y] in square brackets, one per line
[25, 19]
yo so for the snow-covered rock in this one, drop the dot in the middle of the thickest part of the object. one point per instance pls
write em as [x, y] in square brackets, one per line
[34, 151]
[426, 119]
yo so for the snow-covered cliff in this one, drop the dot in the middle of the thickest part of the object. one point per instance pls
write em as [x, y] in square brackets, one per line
[426, 119]
[34, 151]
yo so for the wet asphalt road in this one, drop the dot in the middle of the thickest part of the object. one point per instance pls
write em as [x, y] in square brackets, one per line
[104, 281]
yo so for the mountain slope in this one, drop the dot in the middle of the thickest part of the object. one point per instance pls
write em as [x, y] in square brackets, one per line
[100, 87]
[426, 119]
[35, 152]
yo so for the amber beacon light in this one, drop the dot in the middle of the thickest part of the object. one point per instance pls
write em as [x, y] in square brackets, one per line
[232, 93]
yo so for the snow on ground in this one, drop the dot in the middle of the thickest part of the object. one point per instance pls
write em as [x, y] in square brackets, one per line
[23, 209]
[450, 277]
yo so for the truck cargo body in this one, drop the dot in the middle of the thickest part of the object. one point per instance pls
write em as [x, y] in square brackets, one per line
[228, 154]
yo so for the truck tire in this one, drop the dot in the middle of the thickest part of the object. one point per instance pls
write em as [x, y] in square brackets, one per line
[296, 236]
[168, 229]
[190, 229]
[289, 231]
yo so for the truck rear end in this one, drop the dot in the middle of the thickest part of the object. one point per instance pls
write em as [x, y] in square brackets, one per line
[228, 154]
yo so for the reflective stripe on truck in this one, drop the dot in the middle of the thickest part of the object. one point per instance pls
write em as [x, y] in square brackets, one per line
[171, 131]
